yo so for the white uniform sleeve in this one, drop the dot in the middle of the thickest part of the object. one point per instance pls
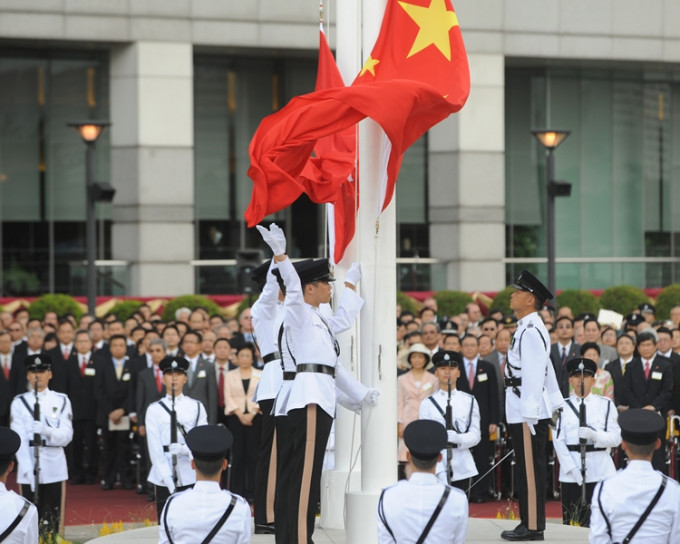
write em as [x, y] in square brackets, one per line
[296, 314]
[31, 524]
[349, 385]
[346, 402]
[473, 435]
[461, 534]
[245, 530]
[63, 434]
[162, 535]
[384, 536]
[349, 307]
[18, 425]
[534, 368]
[563, 455]
[202, 415]
[612, 436]
[266, 304]
[598, 527]
[153, 441]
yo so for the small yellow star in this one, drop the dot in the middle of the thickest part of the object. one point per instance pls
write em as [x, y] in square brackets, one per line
[369, 66]
[434, 22]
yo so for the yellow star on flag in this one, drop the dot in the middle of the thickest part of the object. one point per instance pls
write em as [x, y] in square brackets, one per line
[369, 66]
[435, 22]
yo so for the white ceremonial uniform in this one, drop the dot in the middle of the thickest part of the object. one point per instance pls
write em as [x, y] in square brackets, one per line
[625, 496]
[408, 506]
[601, 416]
[540, 392]
[465, 411]
[311, 337]
[190, 515]
[56, 413]
[11, 504]
[190, 414]
[267, 315]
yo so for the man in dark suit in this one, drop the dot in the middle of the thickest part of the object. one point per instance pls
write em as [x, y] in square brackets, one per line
[60, 356]
[648, 384]
[564, 350]
[665, 349]
[625, 347]
[113, 385]
[33, 346]
[5, 372]
[201, 382]
[84, 454]
[478, 377]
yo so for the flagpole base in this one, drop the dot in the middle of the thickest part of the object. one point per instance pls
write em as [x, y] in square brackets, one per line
[361, 525]
[333, 487]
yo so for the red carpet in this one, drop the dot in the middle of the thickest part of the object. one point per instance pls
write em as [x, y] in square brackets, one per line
[88, 505]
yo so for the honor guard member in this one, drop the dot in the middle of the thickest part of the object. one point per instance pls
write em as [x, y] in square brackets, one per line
[638, 503]
[171, 468]
[311, 403]
[42, 418]
[600, 433]
[206, 513]
[267, 314]
[19, 519]
[423, 508]
[456, 465]
[532, 395]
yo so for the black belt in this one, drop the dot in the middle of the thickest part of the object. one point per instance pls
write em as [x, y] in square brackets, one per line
[288, 376]
[589, 447]
[512, 382]
[314, 367]
[273, 356]
[451, 445]
[43, 444]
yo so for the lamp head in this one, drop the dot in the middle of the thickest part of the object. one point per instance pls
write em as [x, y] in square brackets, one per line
[551, 139]
[90, 130]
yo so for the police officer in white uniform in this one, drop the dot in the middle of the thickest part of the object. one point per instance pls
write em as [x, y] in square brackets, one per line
[422, 508]
[206, 513]
[532, 395]
[267, 315]
[55, 430]
[465, 421]
[171, 462]
[638, 503]
[19, 518]
[600, 433]
[311, 403]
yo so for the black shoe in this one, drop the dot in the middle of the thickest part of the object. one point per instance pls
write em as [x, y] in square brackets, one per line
[521, 533]
[264, 529]
[107, 486]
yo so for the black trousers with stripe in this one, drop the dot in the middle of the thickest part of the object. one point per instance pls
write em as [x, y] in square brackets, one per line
[531, 472]
[265, 472]
[284, 452]
[310, 427]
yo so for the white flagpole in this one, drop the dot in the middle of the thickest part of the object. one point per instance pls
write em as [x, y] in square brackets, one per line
[377, 254]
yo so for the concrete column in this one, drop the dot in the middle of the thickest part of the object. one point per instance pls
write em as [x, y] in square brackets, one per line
[152, 165]
[467, 182]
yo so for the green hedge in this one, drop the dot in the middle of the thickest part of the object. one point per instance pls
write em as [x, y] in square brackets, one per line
[579, 301]
[450, 303]
[668, 297]
[59, 303]
[502, 300]
[622, 298]
[125, 308]
[191, 302]
[408, 303]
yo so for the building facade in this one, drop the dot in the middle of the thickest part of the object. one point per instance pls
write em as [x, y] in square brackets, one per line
[186, 82]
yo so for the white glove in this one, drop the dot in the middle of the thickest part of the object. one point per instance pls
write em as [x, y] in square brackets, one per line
[28, 476]
[353, 275]
[576, 475]
[274, 238]
[453, 437]
[371, 397]
[181, 450]
[37, 427]
[587, 433]
[169, 484]
[531, 423]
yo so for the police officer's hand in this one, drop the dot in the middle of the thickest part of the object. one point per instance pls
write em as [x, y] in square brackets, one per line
[169, 483]
[453, 437]
[587, 434]
[180, 450]
[39, 427]
[353, 274]
[576, 474]
[371, 397]
[531, 423]
[274, 238]
[27, 475]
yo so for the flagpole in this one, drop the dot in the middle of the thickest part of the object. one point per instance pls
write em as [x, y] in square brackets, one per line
[377, 254]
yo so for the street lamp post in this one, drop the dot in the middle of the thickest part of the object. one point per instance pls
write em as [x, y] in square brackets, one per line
[90, 131]
[550, 140]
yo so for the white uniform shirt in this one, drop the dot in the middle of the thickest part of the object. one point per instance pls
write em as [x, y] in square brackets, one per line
[409, 504]
[465, 412]
[601, 414]
[540, 393]
[190, 414]
[10, 506]
[267, 315]
[311, 338]
[625, 496]
[55, 411]
[192, 514]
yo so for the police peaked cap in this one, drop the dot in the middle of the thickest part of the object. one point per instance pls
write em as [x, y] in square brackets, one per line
[209, 442]
[526, 281]
[259, 274]
[633, 320]
[38, 362]
[646, 307]
[174, 364]
[447, 358]
[298, 265]
[640, 426]
[509, 320]
[315, 270]
[581, 364]
[425, 439]
[9, 444]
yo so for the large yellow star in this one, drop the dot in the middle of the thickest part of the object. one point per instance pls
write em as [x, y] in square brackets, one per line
[369, 66]
[434, 22]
